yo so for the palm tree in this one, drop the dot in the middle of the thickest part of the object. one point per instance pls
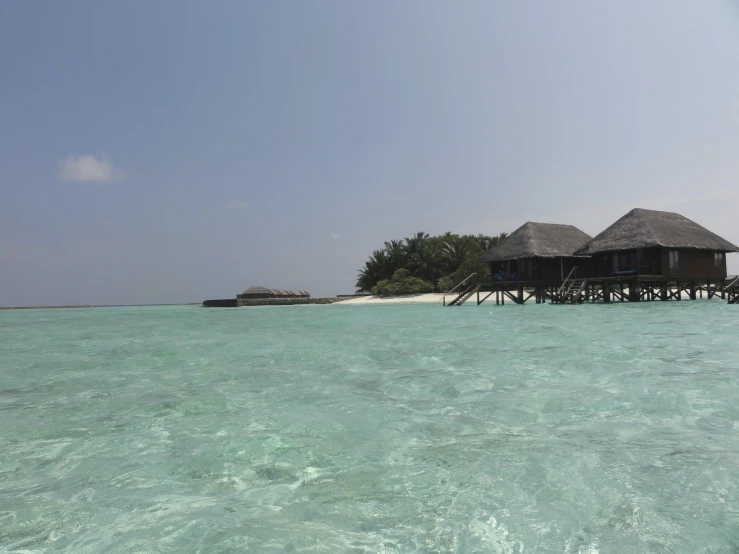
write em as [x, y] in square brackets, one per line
[454, 252]
[486, 242]
[450, 256]
[425, 265]
[376, 269]
[396, 253]
[416, 243]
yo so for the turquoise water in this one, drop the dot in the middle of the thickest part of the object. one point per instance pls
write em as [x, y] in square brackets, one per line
[378, 429]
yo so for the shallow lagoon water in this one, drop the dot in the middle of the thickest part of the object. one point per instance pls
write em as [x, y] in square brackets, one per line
[378, 429]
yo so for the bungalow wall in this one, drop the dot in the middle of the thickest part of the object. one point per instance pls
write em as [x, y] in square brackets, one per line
[683, 264]
[694, 264]
[549, 270]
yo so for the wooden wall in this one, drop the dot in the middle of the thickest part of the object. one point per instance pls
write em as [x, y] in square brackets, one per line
[695, 264]
[545, 269]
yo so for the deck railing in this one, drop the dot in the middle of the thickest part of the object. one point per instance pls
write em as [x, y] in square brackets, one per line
[470, 276]
[564, 283]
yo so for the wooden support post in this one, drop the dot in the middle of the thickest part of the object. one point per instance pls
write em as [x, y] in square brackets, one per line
[692, 291]
[606, 293]
[679, 291]
[478, 297]
[663, 292]
[497, 298]
[486, 297]
[634, 293]
[520, 295]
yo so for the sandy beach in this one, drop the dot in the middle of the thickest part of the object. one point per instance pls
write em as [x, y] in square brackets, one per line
[431, 298]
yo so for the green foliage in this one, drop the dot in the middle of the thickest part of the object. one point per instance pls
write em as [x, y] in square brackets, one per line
[404, 285]
[439, 262]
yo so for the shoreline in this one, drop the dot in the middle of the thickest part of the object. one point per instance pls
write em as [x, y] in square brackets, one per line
[436, 297]
[45, 307]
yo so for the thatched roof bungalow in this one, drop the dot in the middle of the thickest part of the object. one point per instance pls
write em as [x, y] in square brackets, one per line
[655, 243]
[256, 292]
[536, 252]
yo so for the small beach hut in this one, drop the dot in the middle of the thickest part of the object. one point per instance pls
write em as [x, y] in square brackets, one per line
[542, 252]
[257, 292]
[661, 244]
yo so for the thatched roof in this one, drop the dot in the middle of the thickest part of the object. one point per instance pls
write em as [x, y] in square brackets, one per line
[276, 293]
[537, 240]
[257, 290]
[647, 228]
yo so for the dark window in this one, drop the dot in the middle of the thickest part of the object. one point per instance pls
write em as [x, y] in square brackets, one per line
[718, 259]
[674, 262]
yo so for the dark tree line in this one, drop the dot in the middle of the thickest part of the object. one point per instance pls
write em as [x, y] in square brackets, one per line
[438, 261]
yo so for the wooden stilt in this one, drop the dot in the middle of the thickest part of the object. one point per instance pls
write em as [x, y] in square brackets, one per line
[486, 297]
[634, 293]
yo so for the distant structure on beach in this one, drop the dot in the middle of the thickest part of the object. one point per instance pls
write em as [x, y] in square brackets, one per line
[645, 255]
[253, 293]
[262, 296]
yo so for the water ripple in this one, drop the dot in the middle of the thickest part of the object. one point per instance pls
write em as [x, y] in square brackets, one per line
[371, 429]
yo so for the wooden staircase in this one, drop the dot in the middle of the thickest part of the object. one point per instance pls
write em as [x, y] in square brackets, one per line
[732, 291]
[571, 290]
[464, 295]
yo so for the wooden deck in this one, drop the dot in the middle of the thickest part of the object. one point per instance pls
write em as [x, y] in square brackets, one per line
[632, 288]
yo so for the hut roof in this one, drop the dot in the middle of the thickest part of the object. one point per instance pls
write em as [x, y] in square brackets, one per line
[257, 290]
[274, 292]
[538, 240]
[647, 228]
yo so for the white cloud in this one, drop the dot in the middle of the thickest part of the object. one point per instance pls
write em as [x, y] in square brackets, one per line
[237, 205]
[394, 197]
[89, 169]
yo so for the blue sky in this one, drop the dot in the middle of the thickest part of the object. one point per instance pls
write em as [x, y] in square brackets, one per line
[176, 151]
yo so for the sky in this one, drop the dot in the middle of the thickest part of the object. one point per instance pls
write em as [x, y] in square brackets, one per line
[173, 151]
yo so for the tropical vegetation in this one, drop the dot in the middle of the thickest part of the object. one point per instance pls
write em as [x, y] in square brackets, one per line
[425, 263]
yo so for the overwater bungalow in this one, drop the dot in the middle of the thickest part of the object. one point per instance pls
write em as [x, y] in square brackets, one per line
[645, 255]
[650, 243]
[533, 261]
[543, 252]
[651, 255]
